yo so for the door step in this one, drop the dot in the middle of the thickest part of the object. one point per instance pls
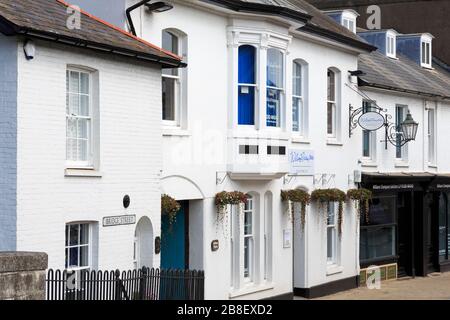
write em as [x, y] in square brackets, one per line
[434, 274]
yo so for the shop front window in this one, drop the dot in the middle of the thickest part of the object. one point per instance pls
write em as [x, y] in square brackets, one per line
[378, 233]
[444, 227]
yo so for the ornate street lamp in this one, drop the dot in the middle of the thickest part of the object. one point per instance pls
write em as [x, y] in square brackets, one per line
[402, 134]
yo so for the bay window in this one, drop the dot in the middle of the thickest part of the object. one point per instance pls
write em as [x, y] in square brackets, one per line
[79, 116]
[275, 87]
[332, 234]
[247, 85]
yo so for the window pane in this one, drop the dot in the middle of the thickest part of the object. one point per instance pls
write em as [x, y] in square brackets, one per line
[74, 82]
[248, 223]
[331, 235]
[382, 211]
[331, 86]
[296, 113]
[331, 213]
[84, 234]
[84, 256]
[246, 105]
[273, 108]
[82, 150]
[377, 243]
[297, 79]
[74, 229]
[168, 97]
[274, 68]
[170, 42]
[330, 118]
[82, 128]
[74, 103]
[71, 149]
[67, 235]
[84, 106]
[399, 117]
[247, 250]
[73, 257]
[67, 258]
[84, 83]
[443, 204]
[366, 143]
[247, 59]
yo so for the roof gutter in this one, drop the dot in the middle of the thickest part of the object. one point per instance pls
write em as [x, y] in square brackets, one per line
[338, 37]
[363, 83]
[257, 8]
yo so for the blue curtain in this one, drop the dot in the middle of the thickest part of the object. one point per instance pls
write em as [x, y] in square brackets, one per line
[246, 94]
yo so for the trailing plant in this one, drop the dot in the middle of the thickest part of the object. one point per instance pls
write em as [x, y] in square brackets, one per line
[325, 196]
[225, 198]
[361, 197]
[297, 196]
[170, 207]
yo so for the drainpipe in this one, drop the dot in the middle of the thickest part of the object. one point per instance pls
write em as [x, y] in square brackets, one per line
[128, 12]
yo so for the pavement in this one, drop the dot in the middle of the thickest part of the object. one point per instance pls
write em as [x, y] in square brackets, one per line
[435, 286]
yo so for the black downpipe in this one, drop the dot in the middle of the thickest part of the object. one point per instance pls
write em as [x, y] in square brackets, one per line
[130, 21]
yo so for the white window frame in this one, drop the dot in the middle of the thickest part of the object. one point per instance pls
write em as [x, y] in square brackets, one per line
[179, 79]
[372, 137]
[281, 90]
[79, 246]
[249, 210]
[302, 109]
[425, 52]
[431, 136]
[349, 23]
[334, 106]
[391, 47]
[89, 163]
[333, 260]
[404, 149]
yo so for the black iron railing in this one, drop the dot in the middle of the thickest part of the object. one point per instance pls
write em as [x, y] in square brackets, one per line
[142, 284]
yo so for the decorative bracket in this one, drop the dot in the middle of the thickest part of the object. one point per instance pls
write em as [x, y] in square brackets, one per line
[221, 177]
[323, 178]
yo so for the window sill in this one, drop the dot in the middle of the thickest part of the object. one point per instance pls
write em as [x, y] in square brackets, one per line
[334, 142]
[334, 269]
[401, 164]
[369, 163]
[175, 131]
[300, 140]
[72, 172]
[250, 289]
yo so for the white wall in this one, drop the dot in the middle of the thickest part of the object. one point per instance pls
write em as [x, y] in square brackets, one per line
[130, 153]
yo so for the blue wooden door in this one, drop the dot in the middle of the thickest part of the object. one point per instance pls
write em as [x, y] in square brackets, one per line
[173, 241]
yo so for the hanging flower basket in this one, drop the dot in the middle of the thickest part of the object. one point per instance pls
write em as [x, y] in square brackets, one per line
[297, 196]
[361, 197]
[325, 196]
[169, 207]
[222, 200]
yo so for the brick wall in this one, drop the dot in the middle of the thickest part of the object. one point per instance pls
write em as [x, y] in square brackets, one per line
[130, 154]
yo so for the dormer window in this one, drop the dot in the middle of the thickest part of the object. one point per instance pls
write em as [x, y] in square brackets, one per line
[391, 45]
[426, 54]
[349, 24]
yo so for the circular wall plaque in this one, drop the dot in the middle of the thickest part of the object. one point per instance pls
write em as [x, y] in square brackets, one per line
[371, 121]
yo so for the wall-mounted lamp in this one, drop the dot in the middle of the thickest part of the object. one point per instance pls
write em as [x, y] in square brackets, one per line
[29, 49]
[402, 134]
[157, 7]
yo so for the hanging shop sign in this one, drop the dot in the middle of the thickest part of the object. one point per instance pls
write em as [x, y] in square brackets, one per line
[371, 121]
[119, 220]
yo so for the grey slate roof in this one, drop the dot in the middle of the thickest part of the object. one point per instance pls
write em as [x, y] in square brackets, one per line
[48, 19]
[317, 22]
[403, 75]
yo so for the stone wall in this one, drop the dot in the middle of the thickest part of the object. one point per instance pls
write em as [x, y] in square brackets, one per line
[22, 275]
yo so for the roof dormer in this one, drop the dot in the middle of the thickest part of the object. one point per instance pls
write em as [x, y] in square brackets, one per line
[346, 17]
[417, 47]
[384, 40]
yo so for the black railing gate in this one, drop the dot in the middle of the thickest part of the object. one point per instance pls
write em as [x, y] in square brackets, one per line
[142, 284]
